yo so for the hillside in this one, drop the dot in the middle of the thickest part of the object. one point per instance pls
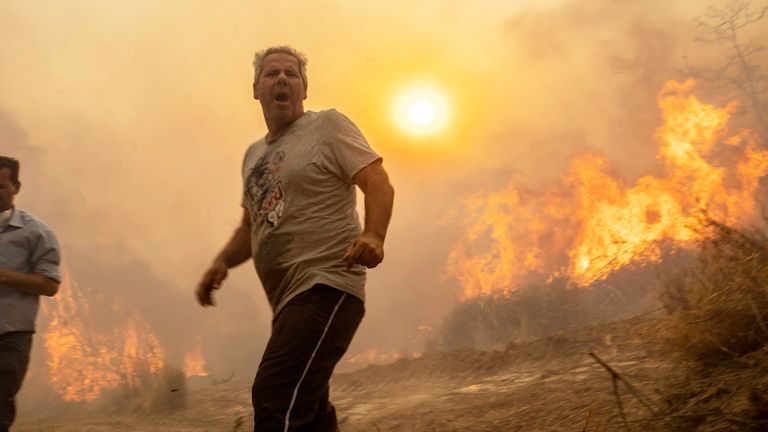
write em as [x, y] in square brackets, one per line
[547, 385]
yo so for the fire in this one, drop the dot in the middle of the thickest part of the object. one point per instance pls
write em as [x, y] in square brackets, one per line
[591, 223]
[194, 363]
[85, 359]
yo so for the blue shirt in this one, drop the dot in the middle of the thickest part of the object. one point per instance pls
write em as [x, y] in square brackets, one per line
[26, 246]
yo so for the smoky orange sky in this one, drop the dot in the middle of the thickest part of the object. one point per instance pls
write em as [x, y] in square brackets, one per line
[131, 120]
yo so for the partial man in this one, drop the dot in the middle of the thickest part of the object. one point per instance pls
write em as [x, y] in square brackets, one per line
[301, 228]
[29, 268]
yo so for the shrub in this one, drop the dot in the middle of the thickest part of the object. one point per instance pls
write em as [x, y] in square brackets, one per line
[718, 306]
[717, 329]
[541, 310]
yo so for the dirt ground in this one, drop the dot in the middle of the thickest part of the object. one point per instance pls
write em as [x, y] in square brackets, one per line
[546, 385]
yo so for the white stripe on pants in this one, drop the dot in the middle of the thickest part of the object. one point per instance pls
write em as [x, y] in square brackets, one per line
[309, 362]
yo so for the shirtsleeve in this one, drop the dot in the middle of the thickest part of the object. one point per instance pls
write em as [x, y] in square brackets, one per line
[346, 149]
[46, 256]
[245, 167]
[244, 198]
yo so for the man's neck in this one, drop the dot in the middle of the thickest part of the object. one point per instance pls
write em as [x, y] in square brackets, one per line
[5, 217]
[278, 127]
[274, 133]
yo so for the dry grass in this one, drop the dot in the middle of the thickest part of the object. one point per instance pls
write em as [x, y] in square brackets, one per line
[718, 309]
[149, 393]
[714, 335]
[719, 306]
[540, 310]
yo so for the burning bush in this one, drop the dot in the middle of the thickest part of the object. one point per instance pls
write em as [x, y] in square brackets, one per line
[102, 350]
[592, 223]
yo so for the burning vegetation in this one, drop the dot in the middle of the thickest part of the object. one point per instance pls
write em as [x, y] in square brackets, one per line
[591, 224]
[86, 359]
[99, 349]
[591, 249]
[525, 251]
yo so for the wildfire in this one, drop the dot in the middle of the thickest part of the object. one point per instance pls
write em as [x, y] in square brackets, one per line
[194, 363]
[85, 359]
[591, 224]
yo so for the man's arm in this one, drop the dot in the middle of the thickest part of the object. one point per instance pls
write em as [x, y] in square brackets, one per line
[368, 249]
[34, 283]
[235, 252]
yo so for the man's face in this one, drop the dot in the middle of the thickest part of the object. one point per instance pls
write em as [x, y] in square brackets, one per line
[7, 189]
[280, 88]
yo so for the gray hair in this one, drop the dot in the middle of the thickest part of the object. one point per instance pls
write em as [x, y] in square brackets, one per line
[301, 58]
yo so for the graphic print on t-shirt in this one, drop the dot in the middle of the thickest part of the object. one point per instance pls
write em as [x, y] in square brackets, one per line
[265, 190]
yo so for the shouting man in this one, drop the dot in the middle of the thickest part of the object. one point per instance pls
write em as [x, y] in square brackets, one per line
[300, 225]
[29, 268]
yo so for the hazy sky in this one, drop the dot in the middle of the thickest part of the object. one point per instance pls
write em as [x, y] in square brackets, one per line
[131, 119]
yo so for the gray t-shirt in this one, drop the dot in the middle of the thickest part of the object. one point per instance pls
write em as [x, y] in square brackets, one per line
[302, 202]
[26, 246]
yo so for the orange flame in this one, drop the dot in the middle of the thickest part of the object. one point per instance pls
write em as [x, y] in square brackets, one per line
[591, 224]
[85, 360]
[194, 363]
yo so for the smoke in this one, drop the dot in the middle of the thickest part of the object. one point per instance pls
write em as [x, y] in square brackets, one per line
[131, 121]
[592, 72]
[13, 136]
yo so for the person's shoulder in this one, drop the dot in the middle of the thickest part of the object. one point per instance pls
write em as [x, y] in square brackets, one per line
[312, 118]
[318, 121]
[333, 118]
[259, 143]
[332, 114]
[30, 220]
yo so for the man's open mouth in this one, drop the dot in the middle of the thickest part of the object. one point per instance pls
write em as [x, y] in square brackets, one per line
[282, 97]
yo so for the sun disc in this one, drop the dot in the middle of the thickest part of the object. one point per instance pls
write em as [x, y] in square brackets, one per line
[421, 111]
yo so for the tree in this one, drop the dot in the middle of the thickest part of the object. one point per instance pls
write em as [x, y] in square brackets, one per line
[741, 71]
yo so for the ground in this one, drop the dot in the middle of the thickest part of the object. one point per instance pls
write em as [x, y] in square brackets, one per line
[551, 384]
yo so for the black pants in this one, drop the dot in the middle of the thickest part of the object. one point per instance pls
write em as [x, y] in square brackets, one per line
[14, 358]
[309, 336]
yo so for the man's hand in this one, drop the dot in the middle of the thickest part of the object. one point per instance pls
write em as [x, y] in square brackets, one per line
[236, 252]
[212, 280]
[367, 250]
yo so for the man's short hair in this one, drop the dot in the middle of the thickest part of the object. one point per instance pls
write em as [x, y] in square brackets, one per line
[301, 58]
[13, 165]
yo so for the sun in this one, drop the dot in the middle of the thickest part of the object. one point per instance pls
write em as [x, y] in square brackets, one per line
[421, 111]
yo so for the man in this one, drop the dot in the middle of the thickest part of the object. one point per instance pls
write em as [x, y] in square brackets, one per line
[301, 227]
[29, 268]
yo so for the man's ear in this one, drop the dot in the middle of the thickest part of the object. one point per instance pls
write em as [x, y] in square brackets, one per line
[18, 188]
[255, 94]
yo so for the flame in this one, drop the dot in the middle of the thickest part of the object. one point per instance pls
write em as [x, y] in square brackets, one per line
[194, 363]
[84, 359]
[591, 223]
